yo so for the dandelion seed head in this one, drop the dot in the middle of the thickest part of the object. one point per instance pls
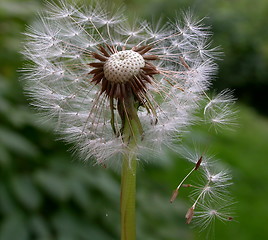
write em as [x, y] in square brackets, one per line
[84, 61]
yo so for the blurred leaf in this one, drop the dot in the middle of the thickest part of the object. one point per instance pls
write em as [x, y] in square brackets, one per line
[4, 156]
[105, 184]
[4, 89]
[4, 105]
[7, 204]
[79, 193]
[14, 227]
[65, 225]
[54, 184]
[17, 143]
[40, 228]
[26, 191]
[20, 116]
[72, 227]
[108, 186]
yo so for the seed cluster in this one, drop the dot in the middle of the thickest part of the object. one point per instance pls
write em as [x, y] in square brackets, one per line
[122, 66]
[119, 72]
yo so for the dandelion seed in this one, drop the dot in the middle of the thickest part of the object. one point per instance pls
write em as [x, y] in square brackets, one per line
[209, 193]
[207, 214]
[193, 156]
[175, 193]
[220, 111]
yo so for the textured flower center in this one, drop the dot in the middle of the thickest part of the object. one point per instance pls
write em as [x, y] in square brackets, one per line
[122, 66]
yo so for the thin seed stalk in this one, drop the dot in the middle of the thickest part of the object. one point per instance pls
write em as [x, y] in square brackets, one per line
[132, 132]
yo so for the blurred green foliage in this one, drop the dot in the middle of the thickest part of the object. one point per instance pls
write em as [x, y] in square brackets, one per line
[45, 194]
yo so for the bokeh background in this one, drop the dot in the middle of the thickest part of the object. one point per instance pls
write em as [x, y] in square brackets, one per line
[48, 194]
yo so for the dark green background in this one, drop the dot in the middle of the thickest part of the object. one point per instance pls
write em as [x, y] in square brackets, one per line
[47, 194]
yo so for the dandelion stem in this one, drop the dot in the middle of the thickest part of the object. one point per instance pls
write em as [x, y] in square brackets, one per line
[128, 199]
[132, 132]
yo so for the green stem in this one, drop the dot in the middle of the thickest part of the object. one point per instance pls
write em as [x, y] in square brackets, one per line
[128, 199]
[132, 132]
